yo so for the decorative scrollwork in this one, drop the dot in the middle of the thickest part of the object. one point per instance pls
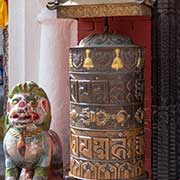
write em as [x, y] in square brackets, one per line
[139, 116]
[121, 170]
[121, 117]
[101, 10]
[100, 117]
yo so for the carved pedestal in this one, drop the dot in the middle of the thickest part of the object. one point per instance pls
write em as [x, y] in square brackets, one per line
[107, 117]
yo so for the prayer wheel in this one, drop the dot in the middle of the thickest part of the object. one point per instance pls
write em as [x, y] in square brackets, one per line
[106, 111]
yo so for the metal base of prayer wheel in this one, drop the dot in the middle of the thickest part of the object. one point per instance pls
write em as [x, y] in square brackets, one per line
[73, 178]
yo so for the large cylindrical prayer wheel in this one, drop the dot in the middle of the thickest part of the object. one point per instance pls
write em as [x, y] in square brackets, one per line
[107, 117]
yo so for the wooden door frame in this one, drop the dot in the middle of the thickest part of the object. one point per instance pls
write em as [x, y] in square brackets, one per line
[166, 90]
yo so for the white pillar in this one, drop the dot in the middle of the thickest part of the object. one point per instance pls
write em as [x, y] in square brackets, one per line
[16, 42]
[53, 71]
[24, 38]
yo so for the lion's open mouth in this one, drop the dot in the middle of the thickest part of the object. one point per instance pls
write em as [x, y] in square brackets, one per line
[21, 117]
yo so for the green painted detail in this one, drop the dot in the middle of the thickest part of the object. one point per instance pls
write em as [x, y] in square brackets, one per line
[14, 172]
[28, 87]
[41, 171]
[6, 123]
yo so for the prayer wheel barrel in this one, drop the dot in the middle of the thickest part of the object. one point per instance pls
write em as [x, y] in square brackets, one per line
[106, 115]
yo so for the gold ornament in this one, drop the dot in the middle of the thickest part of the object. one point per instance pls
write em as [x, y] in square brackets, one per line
[139, 116]
[139, 61]
[88, 64]
[70, 61]
[121, 117]
[117, 62]
[74, 115]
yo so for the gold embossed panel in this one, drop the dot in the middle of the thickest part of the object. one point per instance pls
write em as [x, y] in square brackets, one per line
[107, 117]
[102, 10]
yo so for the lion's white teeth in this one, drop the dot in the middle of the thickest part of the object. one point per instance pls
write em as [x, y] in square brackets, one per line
[22, 115]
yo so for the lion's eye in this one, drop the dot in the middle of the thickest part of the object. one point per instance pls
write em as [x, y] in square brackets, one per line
[15, 101]
[32, 102]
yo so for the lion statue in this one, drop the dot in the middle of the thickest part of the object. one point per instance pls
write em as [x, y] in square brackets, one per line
[32, 151]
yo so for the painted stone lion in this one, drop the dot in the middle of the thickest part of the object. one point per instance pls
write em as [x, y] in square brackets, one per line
[32, 151]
